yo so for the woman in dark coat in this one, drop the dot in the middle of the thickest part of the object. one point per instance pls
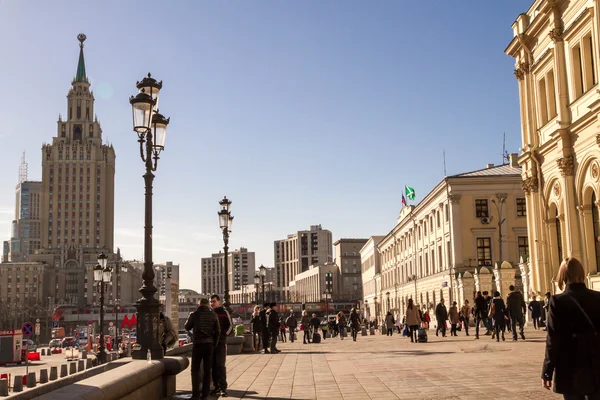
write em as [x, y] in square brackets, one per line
[498, 315]
[536, 312]
[573, 342]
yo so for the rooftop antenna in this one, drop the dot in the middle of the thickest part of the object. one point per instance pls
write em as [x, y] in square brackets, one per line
[444, 153]
[23, 169]
[505, 156]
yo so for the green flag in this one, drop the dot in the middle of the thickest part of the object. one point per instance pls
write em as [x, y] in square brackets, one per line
[410, 192]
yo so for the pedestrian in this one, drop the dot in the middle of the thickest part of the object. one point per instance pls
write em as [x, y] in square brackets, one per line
[207, 333]
[324, 327]
[453, 316]
[168, 336]
[273, 327]
[341, 324]
[292, 323]
[333, 327]
[282, 329]
[535, 307]
[305, 326]
[480, 313]
[498, 315]
[545, 311]
[488, 321]
[413, 320]
[255, 324]
[515, 303]
[219, 373]
[465, 312]
[355, 323]
[573, 342]
[425, 318]
[389, 323]
[398, 324]
[315, 323]
[441, 314]
[266, 335]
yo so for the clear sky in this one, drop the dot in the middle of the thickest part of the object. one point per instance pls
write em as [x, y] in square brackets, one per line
[302, 112]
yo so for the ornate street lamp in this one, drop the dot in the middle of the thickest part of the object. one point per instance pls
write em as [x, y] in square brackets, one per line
[262, 271]
[151, 128]
[102, 276]
[225, 221]
[256, 284]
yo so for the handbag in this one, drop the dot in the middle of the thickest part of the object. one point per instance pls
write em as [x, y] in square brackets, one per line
[301, 327]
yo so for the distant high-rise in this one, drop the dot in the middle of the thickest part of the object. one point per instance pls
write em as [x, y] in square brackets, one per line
[242, 267]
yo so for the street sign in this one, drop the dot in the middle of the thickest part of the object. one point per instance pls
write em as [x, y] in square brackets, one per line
[27, 329]
[55, 324]
[37, 329]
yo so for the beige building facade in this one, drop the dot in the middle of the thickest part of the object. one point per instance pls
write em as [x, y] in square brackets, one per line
[242, 268]
[309, 286]
[370, 268]
[555, 47]
[298, 252]
[347, 258]
[450, 244]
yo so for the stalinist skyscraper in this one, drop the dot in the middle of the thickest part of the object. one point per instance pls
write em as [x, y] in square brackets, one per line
[77, 202]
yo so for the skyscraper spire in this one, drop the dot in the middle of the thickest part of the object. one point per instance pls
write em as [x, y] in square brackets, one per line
[81, 76]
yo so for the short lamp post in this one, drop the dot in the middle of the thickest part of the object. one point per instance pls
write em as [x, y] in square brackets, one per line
[262, 272]
[102, 276]
[151, 128]
[225, 221]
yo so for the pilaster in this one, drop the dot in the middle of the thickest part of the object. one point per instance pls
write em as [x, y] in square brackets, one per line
[456, 234]
[570, 231]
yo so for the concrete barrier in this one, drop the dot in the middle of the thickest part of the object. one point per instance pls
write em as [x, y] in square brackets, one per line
[72, 368]
[363, 331]
[88, 363]
[18, 383]
[43, 375]
[84, 354]
[43, 352]
[63, 370]
[31, 380]
[80, 365]
[3, 387]
[53, 373]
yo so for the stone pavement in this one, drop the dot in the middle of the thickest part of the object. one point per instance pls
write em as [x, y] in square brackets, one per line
[380, 367]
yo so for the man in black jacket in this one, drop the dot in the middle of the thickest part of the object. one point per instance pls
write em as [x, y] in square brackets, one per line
[292, 323]
[273, 327]
[207, 331]
[220, 354]
[480, 312]
[515, 304]
[266, 334]
[441, 314]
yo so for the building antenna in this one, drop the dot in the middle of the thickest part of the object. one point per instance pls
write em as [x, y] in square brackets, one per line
[505, 156]
[23, 169]
[444, 154]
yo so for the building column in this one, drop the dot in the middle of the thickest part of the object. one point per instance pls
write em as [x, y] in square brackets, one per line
[572, 241]
[455, 233]
[560, 68]
[585, 213]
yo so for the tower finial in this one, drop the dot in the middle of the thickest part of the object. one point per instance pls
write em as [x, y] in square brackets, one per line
[81, 76]
[81, 37]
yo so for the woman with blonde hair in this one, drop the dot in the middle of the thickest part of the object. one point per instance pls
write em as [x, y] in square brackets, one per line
[573, 343]
[256, 328]
[305, 326]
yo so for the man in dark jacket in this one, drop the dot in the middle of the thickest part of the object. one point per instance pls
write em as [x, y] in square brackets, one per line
[515, 304]
[480, 312]
[535, 307]
[266, 334]
[219, 372]
[292, 323]
[441, 314]
[488, 321]
[354, 323]
[273, 327]
[207, 332]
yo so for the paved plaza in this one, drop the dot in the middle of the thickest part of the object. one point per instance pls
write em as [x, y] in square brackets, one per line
[381, 367]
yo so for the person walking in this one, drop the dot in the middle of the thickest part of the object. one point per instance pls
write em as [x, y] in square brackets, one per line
[498, 315]
[219, 372]
[389, 323]
[341, 324]
[282, 329]
[453, 315]
[413, 320]
[266, 335]
[333, 327]
[256, 327]
[480, 313]
[441, 314]
[273, 327]
[545, 308]
[398, 324]
[207, 333]
[465, 312]
[305, 324]
[488, 321]
[515, 303]
[292, 324]
[324, 327]
[315, 324]
[573, 340]
[355, 323]
[535, 307]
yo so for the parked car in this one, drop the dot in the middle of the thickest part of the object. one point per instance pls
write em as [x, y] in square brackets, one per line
[69, 341]
[184, 339]
[54, 344]
[29, 344]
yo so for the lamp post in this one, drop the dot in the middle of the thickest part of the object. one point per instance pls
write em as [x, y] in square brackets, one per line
[151, 128]
[262, 271]
[387, 296]
[499, 204]
[256, 284]
[102, 275]
[225, 221]
[119, 268]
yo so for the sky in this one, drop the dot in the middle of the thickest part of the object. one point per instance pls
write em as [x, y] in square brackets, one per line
[301, 112]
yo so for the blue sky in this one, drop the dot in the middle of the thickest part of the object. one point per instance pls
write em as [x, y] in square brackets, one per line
[302, 112]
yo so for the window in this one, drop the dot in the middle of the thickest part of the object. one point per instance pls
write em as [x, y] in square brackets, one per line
[438, 218]
[481, 208]
[521, 207]
[523, 246]
[546, 98]
[484, 252]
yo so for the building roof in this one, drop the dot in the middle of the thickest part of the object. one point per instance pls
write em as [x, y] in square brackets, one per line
[187, 292]
[500, 170]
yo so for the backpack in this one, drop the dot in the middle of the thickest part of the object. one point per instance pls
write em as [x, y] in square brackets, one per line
[170, 336]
